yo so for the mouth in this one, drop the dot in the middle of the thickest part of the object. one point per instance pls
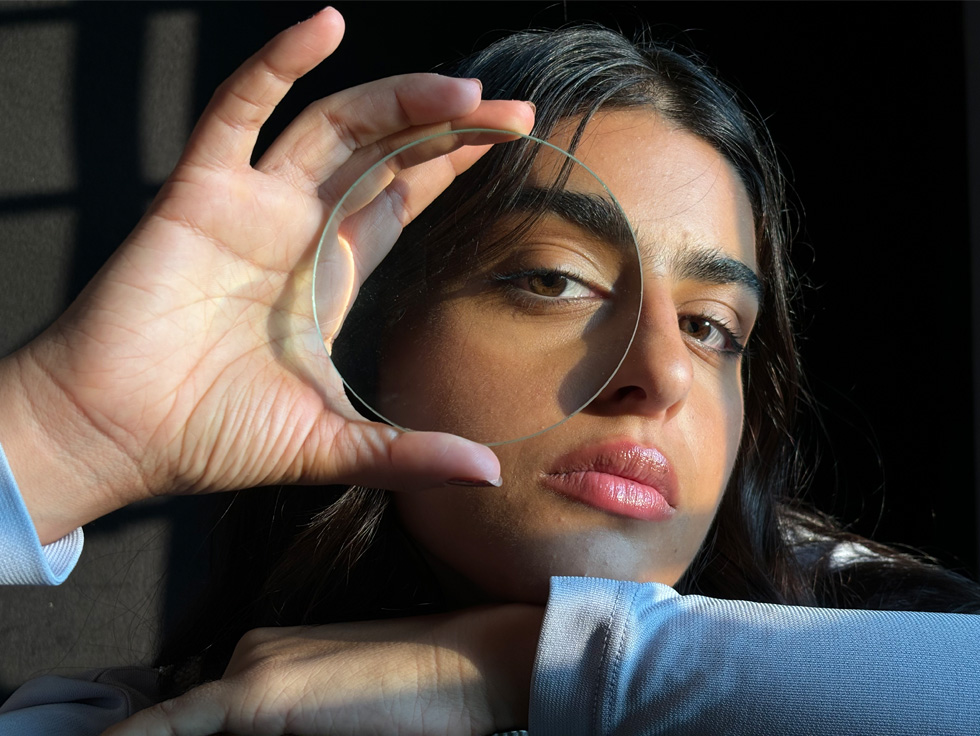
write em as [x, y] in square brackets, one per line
[621, 478]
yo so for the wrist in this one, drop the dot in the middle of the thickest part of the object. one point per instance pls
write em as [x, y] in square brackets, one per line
[505, 642]
[68, 473]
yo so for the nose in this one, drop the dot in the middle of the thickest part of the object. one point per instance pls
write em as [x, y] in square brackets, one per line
[657, 373]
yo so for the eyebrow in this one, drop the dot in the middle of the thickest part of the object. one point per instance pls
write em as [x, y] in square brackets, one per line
[596, 215]
[600, 217]
[713, 267]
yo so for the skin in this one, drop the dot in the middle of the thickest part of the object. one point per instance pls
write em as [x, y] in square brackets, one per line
[679, 390]
[190, 363]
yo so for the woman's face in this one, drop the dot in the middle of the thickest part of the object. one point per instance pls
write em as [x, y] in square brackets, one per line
[628, 487]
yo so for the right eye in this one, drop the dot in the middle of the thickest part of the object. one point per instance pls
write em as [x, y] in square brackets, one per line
[547, 285]
[554, 285]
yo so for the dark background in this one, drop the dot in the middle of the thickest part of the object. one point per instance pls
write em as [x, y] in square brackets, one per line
[866, 102]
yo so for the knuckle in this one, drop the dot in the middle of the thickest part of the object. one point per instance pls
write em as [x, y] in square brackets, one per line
[257, 637]
[341, 129]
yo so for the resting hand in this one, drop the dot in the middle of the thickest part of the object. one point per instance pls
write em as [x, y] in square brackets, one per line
[188, 365]
[463, 673]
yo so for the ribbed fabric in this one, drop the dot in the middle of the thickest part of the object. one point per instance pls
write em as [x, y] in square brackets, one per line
[621, 658]
[23, 560]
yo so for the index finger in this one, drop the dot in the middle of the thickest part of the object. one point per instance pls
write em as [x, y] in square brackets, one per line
[226, 133]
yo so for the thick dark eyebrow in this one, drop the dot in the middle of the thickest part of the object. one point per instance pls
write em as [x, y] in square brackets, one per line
[713, 267]
[602, 218]
[592, 213]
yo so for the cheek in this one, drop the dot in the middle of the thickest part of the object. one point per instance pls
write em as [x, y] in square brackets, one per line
[715, 418]
[426, 377]
[463, 374]
[733, 408]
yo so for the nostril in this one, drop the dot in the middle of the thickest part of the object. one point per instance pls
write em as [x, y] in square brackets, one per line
[624, 392]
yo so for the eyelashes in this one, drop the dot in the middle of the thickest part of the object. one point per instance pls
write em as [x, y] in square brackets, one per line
[712, 333]
[541, 289]
[546, 287]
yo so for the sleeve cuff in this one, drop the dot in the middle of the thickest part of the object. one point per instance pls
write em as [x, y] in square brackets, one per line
[579, 652]
[23, 560]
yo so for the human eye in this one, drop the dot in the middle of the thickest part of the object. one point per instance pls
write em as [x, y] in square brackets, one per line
[547, 286]
[715, 334]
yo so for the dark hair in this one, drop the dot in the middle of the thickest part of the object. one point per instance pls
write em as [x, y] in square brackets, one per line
[353, 562]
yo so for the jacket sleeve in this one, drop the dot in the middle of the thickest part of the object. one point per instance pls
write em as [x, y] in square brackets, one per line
[622, 659]
[78, 706]
[23, 560]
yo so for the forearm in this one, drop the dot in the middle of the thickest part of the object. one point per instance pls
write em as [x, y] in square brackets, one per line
[624, 658]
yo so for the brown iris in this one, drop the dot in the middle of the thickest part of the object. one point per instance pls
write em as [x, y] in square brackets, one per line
[550, 284]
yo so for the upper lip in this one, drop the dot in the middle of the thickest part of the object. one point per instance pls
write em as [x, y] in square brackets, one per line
[624, 458]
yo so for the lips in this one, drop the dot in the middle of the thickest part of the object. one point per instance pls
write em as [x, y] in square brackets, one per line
[621, 478]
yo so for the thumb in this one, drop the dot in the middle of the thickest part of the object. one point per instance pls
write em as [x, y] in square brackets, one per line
[380, 456]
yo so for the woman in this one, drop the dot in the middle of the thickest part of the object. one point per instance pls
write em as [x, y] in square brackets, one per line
[705, 200]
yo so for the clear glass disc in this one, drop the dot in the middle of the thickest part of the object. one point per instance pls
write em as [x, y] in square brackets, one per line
[503, 308]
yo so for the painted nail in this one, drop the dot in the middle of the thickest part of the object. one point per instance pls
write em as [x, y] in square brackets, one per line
[475, 483]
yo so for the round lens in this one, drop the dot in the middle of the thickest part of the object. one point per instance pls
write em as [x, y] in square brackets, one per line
[503, 308]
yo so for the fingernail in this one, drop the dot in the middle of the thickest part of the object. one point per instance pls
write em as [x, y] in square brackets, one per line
[475, 483]
[534, 108]
[478, 82]
[321, 10]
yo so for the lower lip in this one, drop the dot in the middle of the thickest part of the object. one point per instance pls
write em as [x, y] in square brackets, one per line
[613, 494]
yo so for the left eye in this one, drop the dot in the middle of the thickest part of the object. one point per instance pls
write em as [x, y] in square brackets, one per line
[709, 333]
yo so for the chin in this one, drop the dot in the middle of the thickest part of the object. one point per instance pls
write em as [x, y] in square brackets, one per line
[505, 544]
[513, 571]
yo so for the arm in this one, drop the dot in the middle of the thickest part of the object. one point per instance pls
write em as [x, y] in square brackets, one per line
[613, 659]
[628, 658]
[190, 363]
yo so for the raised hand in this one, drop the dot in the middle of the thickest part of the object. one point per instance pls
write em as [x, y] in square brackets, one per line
[189, 364]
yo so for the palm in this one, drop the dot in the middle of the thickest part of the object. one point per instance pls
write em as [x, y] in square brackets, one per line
[209, 348]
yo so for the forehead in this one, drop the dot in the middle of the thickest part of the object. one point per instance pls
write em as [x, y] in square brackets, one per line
[677, 191]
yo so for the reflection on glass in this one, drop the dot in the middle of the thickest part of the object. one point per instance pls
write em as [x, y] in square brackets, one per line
[500, 311]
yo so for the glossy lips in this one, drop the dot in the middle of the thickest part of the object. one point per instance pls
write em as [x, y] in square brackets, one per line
[621, 478]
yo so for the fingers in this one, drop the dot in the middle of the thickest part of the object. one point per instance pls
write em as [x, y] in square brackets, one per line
[383, 207]
[226, 133]
[374, 213]
[380, 457]
[328, 131]
[368, 119]
[431, 142]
